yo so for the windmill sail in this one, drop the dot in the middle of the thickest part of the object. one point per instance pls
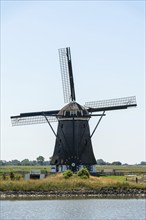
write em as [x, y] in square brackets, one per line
[111, 104]
[34, 118]
[67, 74]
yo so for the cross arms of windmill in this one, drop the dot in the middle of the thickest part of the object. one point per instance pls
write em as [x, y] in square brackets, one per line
[34, 118]
[111, 104]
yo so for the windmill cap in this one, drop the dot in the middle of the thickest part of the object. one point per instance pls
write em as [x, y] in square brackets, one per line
[73, 109]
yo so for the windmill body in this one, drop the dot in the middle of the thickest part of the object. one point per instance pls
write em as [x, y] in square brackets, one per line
[73, 145]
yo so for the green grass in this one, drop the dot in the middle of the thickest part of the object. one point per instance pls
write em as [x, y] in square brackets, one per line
[127, 169]
[59, 183]
[118, 178]
[22, 169]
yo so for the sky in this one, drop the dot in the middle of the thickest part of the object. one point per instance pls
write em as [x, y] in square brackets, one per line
[107, 41]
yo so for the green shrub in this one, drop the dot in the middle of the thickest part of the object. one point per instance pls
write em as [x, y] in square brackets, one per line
[67, 174]
[83, 173]
[17, 177]
[12, 176]
[84, 177]
[4, 176]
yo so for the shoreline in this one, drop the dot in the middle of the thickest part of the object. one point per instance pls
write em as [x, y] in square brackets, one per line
[75, 194]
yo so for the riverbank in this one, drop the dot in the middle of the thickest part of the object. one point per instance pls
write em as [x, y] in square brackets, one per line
[56, 186]
[82, 193]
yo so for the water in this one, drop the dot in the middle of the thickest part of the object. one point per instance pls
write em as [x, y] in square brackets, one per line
[89, 209]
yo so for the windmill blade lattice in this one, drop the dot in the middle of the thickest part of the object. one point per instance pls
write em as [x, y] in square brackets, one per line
[16, 121]
[67, 75]
[34, 118]
[111, 104]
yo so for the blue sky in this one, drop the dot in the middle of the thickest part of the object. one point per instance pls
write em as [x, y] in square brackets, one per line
[107, 41]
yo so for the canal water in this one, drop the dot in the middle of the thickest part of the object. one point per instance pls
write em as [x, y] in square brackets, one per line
[85, 209]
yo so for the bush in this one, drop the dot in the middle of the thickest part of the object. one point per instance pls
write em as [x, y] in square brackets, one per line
[12, 176]
[67, 174]
[17, 177]
[4, 176]
[84, 177]
[83, 173]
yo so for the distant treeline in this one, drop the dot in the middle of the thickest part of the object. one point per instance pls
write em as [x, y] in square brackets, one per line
[40, 161]
[102, 162]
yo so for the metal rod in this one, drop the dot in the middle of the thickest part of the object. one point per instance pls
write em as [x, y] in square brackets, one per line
[50, 125]
[96, 125]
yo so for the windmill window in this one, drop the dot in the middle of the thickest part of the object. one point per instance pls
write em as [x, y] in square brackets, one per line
[67, 114]
[79, 113]
[73, 113]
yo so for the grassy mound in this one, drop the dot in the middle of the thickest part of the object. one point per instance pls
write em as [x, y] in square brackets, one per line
[58, 182]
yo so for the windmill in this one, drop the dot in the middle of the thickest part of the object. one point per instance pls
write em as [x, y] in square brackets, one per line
[73, 145]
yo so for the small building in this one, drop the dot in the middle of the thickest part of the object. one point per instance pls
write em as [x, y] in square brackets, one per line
[108, 172]
[35, 174]
[111, 172]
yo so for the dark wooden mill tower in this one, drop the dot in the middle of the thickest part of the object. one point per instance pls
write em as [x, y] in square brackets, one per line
[73, 146]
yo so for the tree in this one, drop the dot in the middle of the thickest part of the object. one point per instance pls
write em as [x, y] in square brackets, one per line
[2, 162]
[16, 162]
[25, 162]
[116, 163]
[46, 163]
[33, 162]
[143, 163]
[101, 162]
[40, 160]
